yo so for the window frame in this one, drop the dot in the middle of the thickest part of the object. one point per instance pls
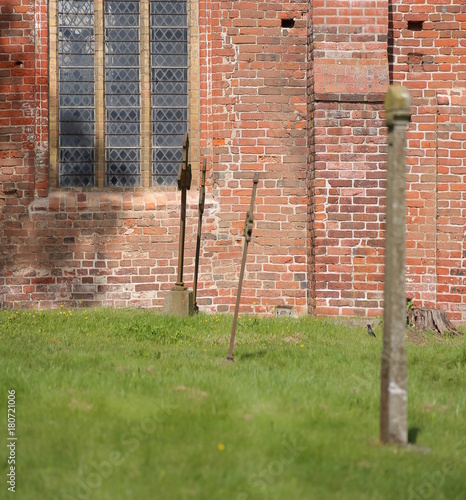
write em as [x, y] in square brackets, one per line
[99, 95]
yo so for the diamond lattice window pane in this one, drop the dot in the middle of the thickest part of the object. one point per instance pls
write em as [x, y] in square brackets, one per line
[76, 35]
[77, 129]
[76, 93]
[169, 141]
[170, 74]
[76, 115]
[123, 168]
[76, 181]
[122, 60]
[180, 88]
[70, 47]
[75, 60]
[169, 62]
[170, 35]
[170, 115]
[124, 128]
[121, 35]
[76, 141]
[77, 174]
[122, 75]
[122, 141]
[123, 174]
[76, 88]
[168, 128]
[114, 8]
[76, 100]
[123, 99]
[122, 87]
[172, 48]
[71, 20]
[168, 155]
[71, 155]
[77, 75]
[168, 7]
[122, 48]
[75, 7]
[79, 168]
[169, 21]
[170, 101]
[123, 115]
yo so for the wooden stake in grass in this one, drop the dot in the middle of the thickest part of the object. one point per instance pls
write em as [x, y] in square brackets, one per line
[247, 238]
[199, 229]
[394, 394]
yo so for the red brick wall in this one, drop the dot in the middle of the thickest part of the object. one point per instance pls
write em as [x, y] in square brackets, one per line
[120, 248]
[258, 122]
[429, 58]
[23, 134]
[302, 105]
[350, 72]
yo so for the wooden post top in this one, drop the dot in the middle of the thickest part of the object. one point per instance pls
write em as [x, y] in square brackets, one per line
[397, 102]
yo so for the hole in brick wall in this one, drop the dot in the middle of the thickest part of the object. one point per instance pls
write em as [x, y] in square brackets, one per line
[415, 25]
[283, 311]
[287, 23]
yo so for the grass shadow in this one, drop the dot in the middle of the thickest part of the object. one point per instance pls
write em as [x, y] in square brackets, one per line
[253, 354]
[412, 434]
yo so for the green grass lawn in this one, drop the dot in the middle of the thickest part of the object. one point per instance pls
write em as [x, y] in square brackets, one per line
[128, 404]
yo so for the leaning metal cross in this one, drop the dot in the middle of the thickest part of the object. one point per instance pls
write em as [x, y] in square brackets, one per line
[248, 224]
[184, 183]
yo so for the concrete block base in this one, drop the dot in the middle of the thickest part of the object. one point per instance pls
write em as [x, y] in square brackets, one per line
[178, 303]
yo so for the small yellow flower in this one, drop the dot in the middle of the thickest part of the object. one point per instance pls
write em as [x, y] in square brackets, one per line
[221, 447]
[302, 345]
[85, 317]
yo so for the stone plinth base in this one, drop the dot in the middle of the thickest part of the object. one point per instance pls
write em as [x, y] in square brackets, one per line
[178, 303]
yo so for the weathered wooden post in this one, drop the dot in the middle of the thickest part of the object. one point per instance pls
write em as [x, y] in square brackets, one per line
[394, 395]
[199, 230]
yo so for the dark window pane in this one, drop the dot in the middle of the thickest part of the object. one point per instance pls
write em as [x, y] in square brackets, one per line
[123, 99]
[169, 62]
[76, 93]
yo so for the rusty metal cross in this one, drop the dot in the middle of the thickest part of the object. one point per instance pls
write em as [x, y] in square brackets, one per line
[184, 183]
[248, 224]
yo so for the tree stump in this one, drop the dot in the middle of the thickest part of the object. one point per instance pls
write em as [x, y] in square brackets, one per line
[434, 320]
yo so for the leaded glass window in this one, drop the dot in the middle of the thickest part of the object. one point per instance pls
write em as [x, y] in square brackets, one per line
[169, 66]
[115, 59]
[122, 94]
[76, 91]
